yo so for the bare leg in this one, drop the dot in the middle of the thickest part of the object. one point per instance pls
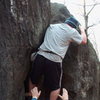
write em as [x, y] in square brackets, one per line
[31, 86]
[54, 94]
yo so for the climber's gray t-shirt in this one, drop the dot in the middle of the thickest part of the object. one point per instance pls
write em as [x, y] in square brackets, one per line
[57, 40]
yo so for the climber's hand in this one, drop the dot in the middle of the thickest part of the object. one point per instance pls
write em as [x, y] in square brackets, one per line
[35, 93]
[64, 95]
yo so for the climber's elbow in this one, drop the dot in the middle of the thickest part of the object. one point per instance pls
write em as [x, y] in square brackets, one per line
[84, 41]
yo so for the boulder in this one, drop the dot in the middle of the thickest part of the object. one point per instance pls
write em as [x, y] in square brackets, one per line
[22, 27]
[58, 13]
[81, 72]
[80, 66]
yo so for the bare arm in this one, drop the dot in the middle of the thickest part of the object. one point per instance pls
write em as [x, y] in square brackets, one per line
[83, 34]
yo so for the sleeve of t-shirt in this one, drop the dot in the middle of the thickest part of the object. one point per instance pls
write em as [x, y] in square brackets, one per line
[76, 37]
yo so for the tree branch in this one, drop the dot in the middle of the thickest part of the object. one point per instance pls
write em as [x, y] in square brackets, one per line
[86, 5]
[92, 8]
[91, 25]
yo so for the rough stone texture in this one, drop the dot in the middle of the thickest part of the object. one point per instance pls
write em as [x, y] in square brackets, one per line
[81, 73]
[99, 80]
[21, 29]
[80, 66]
[58, 13]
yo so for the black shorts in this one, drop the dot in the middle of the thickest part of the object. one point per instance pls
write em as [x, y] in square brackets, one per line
[52, 72]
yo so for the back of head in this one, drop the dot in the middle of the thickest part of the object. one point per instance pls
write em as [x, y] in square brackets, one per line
[73, 22]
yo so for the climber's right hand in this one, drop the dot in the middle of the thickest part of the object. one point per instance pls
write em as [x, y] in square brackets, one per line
[64, 95]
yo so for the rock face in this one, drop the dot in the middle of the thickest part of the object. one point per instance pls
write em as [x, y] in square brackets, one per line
[22, 24]
[22, 27]
[80, 66]
[81, 73]
[58, 13]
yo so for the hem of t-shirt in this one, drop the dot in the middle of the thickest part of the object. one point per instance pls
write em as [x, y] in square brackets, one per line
[79, 42]
[48, 57]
